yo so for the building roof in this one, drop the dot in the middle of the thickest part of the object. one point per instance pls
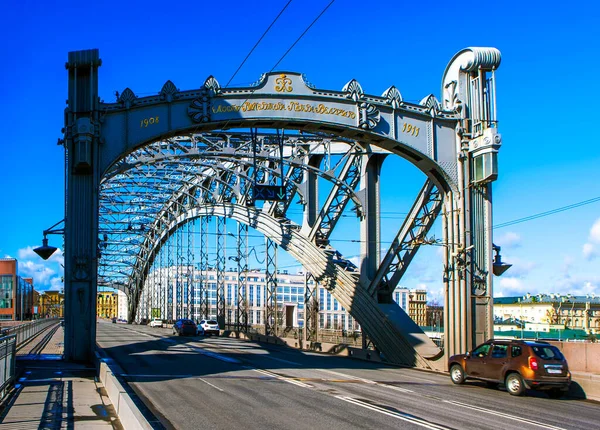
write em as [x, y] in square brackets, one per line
[547, 299]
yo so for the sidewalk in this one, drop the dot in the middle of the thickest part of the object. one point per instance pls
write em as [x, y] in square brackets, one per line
[54, 394]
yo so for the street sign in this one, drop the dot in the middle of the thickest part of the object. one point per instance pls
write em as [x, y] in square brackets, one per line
[269, 192]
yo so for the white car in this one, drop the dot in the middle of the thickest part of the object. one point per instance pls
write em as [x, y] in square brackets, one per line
[209, 327]
[156, 322]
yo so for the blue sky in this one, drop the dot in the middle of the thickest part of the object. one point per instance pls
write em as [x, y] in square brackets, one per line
[546, 105]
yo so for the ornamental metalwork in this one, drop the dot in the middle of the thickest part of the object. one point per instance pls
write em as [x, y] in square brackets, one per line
[149, 174]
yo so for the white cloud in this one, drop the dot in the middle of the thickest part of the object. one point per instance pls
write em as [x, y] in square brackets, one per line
[595, 232]
[519, 267]
[589, 251]
[508, 240]
[510, 286]
[27, 253]
[56, 284]
[40, 273]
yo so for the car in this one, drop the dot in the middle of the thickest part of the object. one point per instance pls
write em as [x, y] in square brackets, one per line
[184, 327]
[156, 322]
[210, 327]
[517, 364]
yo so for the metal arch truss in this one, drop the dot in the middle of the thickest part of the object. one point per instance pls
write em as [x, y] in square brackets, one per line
[145, 200]
[241, 318]
[143, 194]
[407, 242]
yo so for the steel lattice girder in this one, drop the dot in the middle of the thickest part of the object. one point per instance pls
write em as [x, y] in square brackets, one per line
[183, 184]
[181, 187]
[410, 237]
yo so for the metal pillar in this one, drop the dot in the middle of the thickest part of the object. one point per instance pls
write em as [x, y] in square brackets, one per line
[178, 305]
[271, 288]
[190, 270]
[204, 299]
[370, 240]
[311, 310]
[311, 192]
[170, 283]
[241, 318]
[221, 229]
[81, 205]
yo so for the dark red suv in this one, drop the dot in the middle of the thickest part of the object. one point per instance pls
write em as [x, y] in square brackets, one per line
[517, 364]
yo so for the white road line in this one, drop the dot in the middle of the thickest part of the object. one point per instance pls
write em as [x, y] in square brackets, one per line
[281, 360]
[502, 414]
[135, 375]
[214, 355]
[393, 387]
[356, 378]
[394, 414]
[214, 386]
[283, 378]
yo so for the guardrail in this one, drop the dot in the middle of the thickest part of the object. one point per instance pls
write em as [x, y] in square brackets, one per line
[11, 341]
[24, 332]
[8, 353]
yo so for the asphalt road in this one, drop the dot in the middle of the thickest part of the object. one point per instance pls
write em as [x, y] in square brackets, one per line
[225, 383]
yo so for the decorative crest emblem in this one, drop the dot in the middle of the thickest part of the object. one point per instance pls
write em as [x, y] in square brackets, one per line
[283, 84]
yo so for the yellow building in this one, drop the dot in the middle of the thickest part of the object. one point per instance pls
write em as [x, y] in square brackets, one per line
[417, 306]
[106, 304]
[51, 304]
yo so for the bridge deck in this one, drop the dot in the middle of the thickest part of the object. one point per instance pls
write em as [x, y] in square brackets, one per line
[51, 393]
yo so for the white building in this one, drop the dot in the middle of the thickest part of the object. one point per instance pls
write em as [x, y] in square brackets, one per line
[122, 305]
[171, 303]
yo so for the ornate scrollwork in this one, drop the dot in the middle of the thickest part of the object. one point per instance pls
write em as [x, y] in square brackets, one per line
[393, 97]
[169, 91]
[212, 85]
[127, 98]
[283, 84]
[430, 102]
[369, 116]
[451, 96]
[81, 269]
[199, 109]
[353, 90]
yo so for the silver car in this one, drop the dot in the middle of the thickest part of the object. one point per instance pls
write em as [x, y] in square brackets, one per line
[209, 327]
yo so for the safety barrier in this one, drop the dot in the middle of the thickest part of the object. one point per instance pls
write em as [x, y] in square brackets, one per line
[12, 339]
[26, 331]
[8, 352]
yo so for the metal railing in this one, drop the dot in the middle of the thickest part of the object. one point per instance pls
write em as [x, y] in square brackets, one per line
[347, 337]
[26, 331]
[8, 353]
[11, 340]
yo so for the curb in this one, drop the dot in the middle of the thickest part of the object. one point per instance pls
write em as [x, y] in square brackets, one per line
[128, 413]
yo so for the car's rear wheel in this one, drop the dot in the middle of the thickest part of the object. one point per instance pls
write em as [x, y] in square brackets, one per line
[555, 393]
[515, 385]
[457, 374]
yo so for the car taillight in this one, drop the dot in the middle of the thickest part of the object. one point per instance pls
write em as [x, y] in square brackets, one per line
[533, 363]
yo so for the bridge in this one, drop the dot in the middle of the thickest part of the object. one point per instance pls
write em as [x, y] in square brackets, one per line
[225, 382]
[145, 172]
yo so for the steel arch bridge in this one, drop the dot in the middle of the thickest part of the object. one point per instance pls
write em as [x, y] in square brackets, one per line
[142, 169]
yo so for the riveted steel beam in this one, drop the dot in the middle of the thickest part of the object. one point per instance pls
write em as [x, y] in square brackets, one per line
[337, 199]
[407, 242]
[270, 287]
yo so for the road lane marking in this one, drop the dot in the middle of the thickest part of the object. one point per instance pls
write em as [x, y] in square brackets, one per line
[135, 375]
[356, 378]
[393, 414]
[393, 387]
[280, 360]
[282, 378]
[214, 386]
[502, 414]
